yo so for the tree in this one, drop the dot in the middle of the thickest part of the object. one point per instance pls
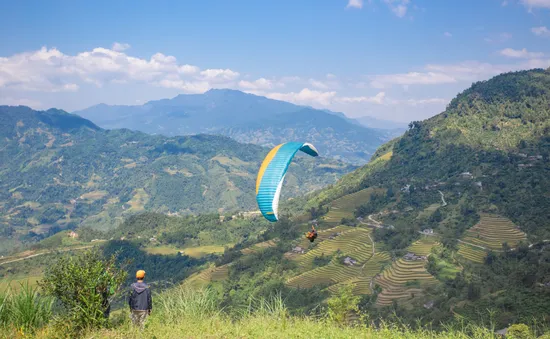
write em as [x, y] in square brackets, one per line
[85, 285]
[342, 304]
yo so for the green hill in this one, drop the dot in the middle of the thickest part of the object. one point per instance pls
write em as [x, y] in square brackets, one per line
[59, 171]
[451, 219]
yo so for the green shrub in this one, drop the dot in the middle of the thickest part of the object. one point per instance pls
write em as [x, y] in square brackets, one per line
[342, 304]
[85, 285]
[519, 331]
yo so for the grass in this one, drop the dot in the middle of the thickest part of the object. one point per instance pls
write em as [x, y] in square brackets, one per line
[24, 309]
[139, 200]
[492, 231]
[195, 252]
[94, 195]
[186, 313]
[182, 313]
[428, 211]
[14, 284]
[201, 251]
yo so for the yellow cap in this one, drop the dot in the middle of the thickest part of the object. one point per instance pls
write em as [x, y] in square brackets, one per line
[140, 274]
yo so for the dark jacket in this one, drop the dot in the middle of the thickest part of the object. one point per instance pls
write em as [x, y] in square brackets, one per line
[140, 297]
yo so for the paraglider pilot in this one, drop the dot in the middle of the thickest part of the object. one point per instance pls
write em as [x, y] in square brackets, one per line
[312, 235]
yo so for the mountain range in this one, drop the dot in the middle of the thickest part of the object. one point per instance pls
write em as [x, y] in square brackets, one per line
[58, 170]
[246, 118]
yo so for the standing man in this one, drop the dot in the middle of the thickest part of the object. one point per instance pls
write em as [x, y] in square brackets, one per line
[140, 300]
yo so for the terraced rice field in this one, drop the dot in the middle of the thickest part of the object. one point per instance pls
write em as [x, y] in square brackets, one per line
[492, 231]
[403, 278]
[394, 281]
[259, 246]
[330, 274]
[423, 246]
[210, 274]
[345, 206]
[354, 242]
[472, 253]
[361, 284]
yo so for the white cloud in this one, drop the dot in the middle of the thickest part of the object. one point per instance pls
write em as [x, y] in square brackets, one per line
[447, 34]
[10, 101]
[377, 99]
[541, 31]
[219, 75]
[523, 53]
[412, 78]
[188, 69]
[355, 4]
[431, 101]
[398, 7]
[119, 47]
[50, 70]
[305, 97]
[192, 87]
[330, 76]
[318, 84]
[290, 79]
[259, 84]
[530, 4]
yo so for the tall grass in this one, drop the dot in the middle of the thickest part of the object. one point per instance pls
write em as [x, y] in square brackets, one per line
[184, 313]
[25, 309]
[182, 302]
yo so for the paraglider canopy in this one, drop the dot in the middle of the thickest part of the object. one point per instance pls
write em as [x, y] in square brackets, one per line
[272, 174]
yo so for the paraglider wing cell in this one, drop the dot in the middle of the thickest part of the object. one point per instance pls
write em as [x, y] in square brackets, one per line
[272, 174]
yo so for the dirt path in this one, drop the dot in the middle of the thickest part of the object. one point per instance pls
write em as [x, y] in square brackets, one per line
[474, 245]
[443, 202]
[372, 219]
[47, 252]
[373, 253]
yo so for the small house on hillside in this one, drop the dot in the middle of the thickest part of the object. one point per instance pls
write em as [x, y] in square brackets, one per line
[429, 305]
[298, 250]
[413, 257]
[72, 234]
[466, 175]
[334, 235]
[349, 261]
[406, 189]
[428, 231]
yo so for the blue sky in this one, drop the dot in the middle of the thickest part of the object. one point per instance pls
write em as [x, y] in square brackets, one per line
[393, 59]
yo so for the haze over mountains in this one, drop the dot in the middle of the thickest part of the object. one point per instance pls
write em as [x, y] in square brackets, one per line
[58, 170]
[249, 118]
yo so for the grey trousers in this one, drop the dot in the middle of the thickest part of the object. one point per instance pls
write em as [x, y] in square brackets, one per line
[138, 317]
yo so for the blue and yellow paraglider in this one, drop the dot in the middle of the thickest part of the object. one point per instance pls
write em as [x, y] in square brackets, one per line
[272, 174]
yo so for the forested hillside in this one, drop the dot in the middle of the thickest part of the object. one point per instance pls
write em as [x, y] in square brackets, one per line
[59, 171]
[451, 219]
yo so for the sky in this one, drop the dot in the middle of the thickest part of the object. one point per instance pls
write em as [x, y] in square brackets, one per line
[397, 60]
